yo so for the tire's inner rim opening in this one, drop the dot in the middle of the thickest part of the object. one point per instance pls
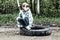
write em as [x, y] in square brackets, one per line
[36, 28]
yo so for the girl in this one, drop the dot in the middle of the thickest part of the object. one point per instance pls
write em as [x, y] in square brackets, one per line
[25, 18]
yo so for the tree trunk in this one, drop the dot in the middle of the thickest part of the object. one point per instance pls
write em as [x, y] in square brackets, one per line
[25, 0]
[31, 4]
[38, 7]
[35, 7]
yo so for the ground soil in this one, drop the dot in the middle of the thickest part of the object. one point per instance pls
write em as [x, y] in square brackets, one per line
[12, 34]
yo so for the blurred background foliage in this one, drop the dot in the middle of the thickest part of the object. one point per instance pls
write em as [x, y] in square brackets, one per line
[8, 6]
[48, 8]
[49, 11]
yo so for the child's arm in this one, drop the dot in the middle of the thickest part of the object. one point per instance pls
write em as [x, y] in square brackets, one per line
[19, 16]
[18, 4]
[30, 18]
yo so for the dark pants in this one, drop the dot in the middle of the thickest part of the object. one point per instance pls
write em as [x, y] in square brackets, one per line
[24, 22]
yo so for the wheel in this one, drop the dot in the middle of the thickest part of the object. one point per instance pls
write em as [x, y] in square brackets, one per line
[36, 31]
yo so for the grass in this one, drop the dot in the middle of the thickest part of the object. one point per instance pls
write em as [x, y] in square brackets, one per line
[8, 18]
[38, 20]
[11, 19]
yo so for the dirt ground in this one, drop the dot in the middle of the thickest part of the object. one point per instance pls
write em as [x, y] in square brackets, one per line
[13, 35]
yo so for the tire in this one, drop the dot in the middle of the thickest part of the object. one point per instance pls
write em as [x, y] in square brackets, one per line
[36, 31]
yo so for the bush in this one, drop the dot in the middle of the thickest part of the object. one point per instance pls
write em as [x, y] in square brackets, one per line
[8, 6]
[8, 18]
[49, 8]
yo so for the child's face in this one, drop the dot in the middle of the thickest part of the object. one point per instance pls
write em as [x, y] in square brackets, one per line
[25, 6]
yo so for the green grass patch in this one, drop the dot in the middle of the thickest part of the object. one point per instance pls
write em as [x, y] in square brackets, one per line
[8, 18]
[11, 19]
[46, 20]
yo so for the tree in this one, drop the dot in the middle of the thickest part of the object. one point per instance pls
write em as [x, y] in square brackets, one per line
[31, 4]
[37, 6]
[25, 0]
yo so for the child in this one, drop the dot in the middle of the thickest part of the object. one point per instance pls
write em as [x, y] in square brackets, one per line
[25, 18]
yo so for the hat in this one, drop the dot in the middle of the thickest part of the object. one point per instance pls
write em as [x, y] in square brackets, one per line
[25, 3]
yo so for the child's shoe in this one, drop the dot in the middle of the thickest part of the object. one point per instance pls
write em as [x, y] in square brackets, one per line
[28, 28]
[19, 25]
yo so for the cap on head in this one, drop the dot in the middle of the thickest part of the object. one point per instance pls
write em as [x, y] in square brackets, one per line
[25, 3]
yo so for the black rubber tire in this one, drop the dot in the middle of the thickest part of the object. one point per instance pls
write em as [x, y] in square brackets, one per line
[43, 31]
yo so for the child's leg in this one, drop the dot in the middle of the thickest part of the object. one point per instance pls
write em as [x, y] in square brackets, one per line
[26, 21]
[21, 22]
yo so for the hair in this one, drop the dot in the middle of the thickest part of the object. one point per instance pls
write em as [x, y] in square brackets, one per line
[22, 3]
